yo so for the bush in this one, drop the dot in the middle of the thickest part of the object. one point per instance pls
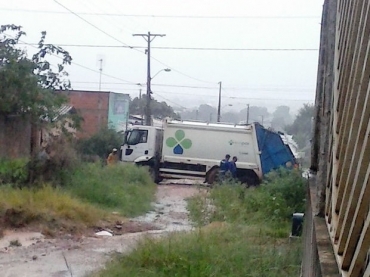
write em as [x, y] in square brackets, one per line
[281, 194]
[100, 144]
[126, 188]
[54, 163]
[13, 171]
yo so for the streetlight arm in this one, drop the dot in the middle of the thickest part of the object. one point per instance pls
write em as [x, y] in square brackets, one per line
[165, 69]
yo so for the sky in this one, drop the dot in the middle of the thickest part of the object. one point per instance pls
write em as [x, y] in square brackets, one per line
[249, 36]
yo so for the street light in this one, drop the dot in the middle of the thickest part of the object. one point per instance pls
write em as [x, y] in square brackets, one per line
[227, 105]
[149, 90]
[164, 69]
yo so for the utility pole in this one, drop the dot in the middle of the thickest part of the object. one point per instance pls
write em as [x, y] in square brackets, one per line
[149, 38]
[141, 108]
[101, 71]
[247, 113]
[219, 103]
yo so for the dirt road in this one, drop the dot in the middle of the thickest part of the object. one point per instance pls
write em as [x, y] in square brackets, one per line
[51, 257]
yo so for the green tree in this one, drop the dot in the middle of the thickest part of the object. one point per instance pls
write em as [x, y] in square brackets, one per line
[27, 84]
[281, 117]
[159, 109]
[302, 125]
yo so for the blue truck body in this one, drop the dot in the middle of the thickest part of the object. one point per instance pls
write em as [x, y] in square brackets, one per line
[274, 153]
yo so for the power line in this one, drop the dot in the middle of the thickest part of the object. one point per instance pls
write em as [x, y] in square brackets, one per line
[94, 26]
[169, 16]
[204, 87]
[173, 69]
[155, 92]
[79, 65]
[184, 48]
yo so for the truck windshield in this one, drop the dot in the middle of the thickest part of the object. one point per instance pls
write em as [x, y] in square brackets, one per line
[137, 136]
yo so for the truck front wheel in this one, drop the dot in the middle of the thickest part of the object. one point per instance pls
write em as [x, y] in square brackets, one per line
[154, 174]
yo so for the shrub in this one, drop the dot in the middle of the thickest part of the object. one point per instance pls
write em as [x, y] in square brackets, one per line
[281, 194]
[54, 163]
[123, 187]
[13, 171]
[101, 143]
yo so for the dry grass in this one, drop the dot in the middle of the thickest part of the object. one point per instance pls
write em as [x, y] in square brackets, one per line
[46, 205]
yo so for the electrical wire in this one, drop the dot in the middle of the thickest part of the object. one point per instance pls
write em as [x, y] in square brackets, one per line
[96, 27]
[204, 87]
[168, 16]
[185, 48]
[77, 64]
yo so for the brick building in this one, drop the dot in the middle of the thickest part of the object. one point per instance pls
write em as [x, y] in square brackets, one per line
[98, 109]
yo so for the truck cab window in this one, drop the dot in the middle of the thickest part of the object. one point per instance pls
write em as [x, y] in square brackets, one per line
[137, 136]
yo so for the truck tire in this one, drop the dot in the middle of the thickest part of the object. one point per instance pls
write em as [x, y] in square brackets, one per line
[212, 176]
[154, 174]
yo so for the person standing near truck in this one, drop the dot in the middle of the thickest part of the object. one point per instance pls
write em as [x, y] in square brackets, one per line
[113, 157]
[224, 166]
[232, 166]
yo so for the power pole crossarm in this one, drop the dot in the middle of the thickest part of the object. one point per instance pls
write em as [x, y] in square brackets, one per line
[149, 38]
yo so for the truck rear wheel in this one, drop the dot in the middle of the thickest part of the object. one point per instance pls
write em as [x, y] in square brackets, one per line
[212, 176]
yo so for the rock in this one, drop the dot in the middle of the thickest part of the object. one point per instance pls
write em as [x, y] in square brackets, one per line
[103, 233]
[34, 257]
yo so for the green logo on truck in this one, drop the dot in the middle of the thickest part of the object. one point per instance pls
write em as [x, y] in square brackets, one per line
[179, 142]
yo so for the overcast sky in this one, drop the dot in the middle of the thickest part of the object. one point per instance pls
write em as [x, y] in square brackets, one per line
[264, 77]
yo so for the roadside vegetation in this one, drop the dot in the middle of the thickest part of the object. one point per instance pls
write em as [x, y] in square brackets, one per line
[240, 232]
[127, 189]
[80, 197]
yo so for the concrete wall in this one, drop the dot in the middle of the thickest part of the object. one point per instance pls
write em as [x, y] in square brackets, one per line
[93, 107]
[15, 137]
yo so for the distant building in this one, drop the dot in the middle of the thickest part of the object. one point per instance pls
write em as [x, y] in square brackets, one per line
[99, 109]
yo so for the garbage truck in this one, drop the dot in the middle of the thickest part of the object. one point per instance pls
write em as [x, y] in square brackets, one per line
[193, 150]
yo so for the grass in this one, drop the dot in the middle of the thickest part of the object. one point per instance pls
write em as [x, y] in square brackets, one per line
[227, 251]
[124, 188]
[20, 207]
[87, 198]
[15, 243]
[241, 232]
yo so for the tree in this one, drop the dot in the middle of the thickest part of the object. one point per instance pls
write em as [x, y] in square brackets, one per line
[281, 117]
[302, 126]
[159, 109]
[27, 84]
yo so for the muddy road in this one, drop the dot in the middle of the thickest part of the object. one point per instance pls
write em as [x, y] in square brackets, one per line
[59, 257]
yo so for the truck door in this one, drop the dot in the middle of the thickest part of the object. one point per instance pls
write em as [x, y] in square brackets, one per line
[136, 145]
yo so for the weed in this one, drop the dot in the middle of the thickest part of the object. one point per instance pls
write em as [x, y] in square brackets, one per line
[13, 171]
[227, 251]
[245, 233]
[15, 243]
[126, 188]
[20, 207]
[282, 194]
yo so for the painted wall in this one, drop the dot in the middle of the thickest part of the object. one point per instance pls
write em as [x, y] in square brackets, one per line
[118, 113]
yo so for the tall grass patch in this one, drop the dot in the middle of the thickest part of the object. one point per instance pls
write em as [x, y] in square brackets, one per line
[229, 251]
[123, 187]
[282, 194]
[22, 206]
[241, 232]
